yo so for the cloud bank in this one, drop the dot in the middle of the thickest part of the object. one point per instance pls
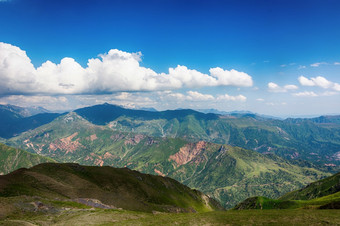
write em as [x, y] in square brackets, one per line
[110, 72]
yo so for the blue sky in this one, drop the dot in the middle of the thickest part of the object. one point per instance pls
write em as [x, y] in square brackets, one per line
[285, 54]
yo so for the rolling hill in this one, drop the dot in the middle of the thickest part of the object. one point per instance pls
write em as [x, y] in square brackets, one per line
[13, 158]
[322, 194]
[107, 186]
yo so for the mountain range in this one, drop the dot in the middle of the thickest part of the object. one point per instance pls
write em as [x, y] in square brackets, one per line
[229, 174]
[229, 157]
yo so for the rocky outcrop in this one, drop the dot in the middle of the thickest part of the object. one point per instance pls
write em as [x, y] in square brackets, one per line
[188, 153]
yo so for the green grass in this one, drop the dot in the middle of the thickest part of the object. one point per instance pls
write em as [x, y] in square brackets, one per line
[117, 217]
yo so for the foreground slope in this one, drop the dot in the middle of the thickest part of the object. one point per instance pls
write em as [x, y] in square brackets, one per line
[120, 188]
[13, 158]
[318, 189]
[323, 194]
[71, 214]
[229, 174]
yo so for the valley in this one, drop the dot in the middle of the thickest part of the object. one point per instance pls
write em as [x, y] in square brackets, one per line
[228, 173]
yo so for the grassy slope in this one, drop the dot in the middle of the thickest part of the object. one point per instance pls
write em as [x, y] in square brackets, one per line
[227, 173]
[327, 186]
[13, 158]
[266, 203]
[113, 186]
[324, 193]
[68, 213]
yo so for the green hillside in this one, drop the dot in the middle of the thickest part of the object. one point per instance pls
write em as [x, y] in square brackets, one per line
[318, 189]
[113, 187]
[13, 158]
[323, 194]
[227, 173]
[316, 140]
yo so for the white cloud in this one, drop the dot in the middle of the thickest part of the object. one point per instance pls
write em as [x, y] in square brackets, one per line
[123, 96]
[305, 94]
[260, 99]
[276, 104]
[232, 77]
[318, 64]
[232, 98]
[273, 87]
[329, 93]
[336, 63]
[110, 72]
[319, 82]
[301, 67]
[290, 87]
[48, 102]
[193, 95]
[336, 87]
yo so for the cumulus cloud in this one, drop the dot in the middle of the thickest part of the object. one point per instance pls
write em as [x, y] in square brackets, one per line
[196, 96]
[273, 87]
[305, 94]
[193, 95]
[319, 82]
[232, 77]
[110, 72]
[232, 98]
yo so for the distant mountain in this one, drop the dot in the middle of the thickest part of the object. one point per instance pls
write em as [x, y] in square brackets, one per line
[322, 194]
[230, 174]
[105, 113]
[115, 188]
[13, 121]
[330, 119]
[305, 139]
[316, 140]
[213, 111]
[12, 159]
[148, 109]
[24, 111]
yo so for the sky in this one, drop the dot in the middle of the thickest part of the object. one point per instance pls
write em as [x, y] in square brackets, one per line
[274, 57]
